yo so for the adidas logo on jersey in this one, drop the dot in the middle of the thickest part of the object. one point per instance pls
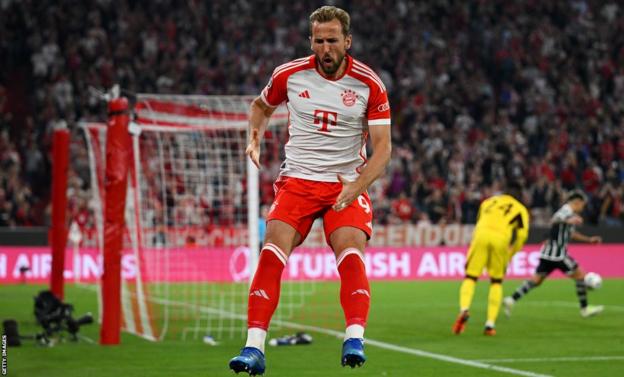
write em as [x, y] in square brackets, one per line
[259, 293]
[360, 292]
[304, 94]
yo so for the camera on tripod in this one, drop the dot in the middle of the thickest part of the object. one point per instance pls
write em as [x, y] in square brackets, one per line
[54, 316]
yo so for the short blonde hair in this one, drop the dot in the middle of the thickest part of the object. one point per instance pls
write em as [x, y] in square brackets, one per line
[327, 13]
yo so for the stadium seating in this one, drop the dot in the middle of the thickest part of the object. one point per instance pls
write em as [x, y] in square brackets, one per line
[481, 92]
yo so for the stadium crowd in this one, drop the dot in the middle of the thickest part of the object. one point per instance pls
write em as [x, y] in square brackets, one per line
[482, 92]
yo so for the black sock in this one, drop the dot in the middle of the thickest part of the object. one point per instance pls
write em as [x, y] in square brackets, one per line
[522, 290]
[581, 292]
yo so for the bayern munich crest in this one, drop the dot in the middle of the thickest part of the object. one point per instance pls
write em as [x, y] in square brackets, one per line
[349, 97]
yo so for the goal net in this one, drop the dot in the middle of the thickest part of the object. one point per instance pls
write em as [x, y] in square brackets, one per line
[193, 220]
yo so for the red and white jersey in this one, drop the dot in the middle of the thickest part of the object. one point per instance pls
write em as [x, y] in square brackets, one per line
[328, 119]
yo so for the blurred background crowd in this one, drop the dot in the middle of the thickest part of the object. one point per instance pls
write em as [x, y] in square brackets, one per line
[482, 92]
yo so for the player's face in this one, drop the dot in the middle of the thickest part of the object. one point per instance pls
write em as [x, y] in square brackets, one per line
[329, 45]
[577, 205]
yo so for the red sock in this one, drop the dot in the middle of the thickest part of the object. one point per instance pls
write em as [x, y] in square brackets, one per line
[265, 287]
[354, 287]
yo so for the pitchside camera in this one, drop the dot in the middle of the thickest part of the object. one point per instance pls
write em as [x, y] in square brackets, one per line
[54, 316]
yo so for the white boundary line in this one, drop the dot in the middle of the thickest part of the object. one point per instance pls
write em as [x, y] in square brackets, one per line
[529, 302]
[416, 352]
[372, 342]
[548, 359]
[570, 304]
[479, 363]
[86, 339]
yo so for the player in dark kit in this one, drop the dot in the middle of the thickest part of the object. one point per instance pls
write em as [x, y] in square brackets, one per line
[554, 255]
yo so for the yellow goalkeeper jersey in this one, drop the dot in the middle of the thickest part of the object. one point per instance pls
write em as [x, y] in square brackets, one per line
[505, 215]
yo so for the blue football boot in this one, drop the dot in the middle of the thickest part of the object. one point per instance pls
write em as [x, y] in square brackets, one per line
[353, 352]
[250, 360]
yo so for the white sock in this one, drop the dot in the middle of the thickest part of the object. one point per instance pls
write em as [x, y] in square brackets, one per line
[354, 331]
[489, 324]
[256, 338]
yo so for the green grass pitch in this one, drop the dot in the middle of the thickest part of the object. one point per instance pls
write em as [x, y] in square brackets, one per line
[545, 336]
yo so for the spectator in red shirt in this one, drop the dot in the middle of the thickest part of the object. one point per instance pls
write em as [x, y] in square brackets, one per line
[591, 178]
[402, 208]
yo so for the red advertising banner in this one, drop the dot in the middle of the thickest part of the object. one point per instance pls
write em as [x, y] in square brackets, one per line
[223, 264]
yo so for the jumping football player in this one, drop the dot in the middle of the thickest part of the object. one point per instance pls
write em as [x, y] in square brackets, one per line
[334, 102]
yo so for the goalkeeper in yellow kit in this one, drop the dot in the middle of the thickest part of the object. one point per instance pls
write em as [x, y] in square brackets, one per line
[501, 230]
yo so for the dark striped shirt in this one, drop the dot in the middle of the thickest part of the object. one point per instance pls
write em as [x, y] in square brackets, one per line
[556, 247]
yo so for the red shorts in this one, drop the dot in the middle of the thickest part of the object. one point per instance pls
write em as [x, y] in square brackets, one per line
[298, 202]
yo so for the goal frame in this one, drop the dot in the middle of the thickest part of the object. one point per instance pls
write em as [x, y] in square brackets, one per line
[119, 159]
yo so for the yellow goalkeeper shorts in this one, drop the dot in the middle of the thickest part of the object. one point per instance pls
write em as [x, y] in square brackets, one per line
[487, 250]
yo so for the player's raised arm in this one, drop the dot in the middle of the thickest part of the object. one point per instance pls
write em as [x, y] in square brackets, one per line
[259, 115]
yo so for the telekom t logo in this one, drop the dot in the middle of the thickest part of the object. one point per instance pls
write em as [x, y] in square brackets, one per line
[325, 119]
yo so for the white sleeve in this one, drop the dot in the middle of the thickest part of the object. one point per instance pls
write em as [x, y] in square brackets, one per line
[562, 214]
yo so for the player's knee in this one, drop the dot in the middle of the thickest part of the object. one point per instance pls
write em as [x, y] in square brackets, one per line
[496, 280]
[281, 243]
[347, 237]
[285, 240]
[577, 274]
[538, 280]
[471, 277]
